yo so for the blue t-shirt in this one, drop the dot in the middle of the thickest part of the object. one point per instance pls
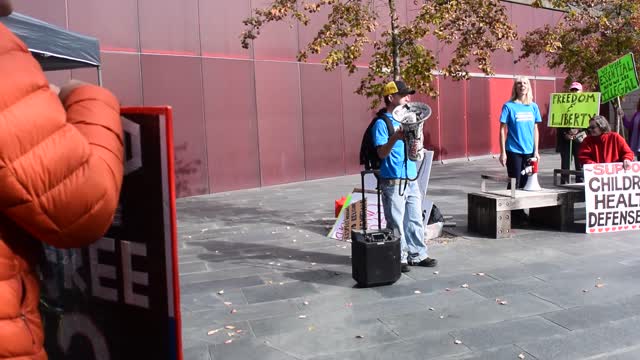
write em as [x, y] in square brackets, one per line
[520, 120]
[392, 167]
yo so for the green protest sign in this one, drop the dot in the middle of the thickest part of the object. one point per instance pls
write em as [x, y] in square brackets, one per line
[618, 78]
[573, 110]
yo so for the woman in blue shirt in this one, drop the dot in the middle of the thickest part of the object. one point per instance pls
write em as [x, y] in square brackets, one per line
[519, 130]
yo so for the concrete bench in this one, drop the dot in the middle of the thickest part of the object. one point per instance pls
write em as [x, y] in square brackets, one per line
[489, 213]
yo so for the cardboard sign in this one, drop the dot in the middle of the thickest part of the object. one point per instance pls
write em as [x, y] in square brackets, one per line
[119, 297]
[612, 197]
[618, 78]
[350, 215]
[573, 110]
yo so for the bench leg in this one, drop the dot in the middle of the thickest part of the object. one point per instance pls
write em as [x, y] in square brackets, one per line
[483, 218]
[559, 217]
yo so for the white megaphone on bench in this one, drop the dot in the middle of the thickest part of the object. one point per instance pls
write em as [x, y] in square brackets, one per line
[532, 171]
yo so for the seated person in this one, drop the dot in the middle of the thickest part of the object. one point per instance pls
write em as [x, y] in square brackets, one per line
[604, 146]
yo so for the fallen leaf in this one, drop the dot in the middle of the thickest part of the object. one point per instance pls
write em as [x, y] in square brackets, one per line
[229, 327]
[585, 290]
[457, 342]
[220, 292]
[305, 303]
[278, 264]
[359, 337]
[436, 272]
[521, 356]
[447, 289]
[281, 283]
[271, 263]
[302, 317]
[227, 303]
[417, 292]
[288, 227]
[238, 331]
[599, 285]
[233, 311]
[228, 341]
[211, 332]
[349, 304]
[464, 286]
[313, 263]
[503, 302]
[479, 274]
[441, 316]
[432, 309]
[311, 328]
[294, 240]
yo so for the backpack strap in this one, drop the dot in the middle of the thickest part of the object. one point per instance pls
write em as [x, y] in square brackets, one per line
[382, 114]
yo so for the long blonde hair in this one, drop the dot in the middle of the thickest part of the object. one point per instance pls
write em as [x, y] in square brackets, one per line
[528, 96]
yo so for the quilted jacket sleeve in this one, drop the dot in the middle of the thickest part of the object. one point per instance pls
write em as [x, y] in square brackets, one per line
[61, 165]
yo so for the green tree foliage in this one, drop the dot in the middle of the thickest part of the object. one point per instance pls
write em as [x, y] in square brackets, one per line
[590, 35]
[473, 28]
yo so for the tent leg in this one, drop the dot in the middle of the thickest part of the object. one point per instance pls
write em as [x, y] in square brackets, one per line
[100, 75]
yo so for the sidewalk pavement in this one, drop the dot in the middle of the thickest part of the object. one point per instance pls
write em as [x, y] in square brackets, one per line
[260, 280]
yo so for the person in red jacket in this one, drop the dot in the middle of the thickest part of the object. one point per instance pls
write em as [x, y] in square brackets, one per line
[61, 169]
[604, 146]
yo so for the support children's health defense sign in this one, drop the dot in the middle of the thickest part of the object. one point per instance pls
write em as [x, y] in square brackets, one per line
[612, 197]
[573, 110]
[618, 78]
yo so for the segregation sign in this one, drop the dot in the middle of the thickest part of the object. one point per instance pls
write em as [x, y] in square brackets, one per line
[612, 197]
[573, 110]
[618, 78]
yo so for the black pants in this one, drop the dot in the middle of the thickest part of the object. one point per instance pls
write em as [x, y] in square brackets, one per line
[565, 157]
[515, 164]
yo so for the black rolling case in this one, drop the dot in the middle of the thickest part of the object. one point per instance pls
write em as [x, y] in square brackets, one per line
[375, 254]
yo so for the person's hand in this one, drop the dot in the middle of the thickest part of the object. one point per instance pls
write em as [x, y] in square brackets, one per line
[54, 89]
[503, 159]
[69, 87]
[620, 112]
[397, 135]
[626, 164]
[537, 156]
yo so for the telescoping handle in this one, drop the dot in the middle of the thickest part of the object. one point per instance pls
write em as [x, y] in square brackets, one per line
[364, 198]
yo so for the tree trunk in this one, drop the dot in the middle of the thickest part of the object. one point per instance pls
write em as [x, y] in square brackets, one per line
[395, 42]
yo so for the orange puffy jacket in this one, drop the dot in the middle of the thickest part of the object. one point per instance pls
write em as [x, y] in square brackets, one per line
[61, 168]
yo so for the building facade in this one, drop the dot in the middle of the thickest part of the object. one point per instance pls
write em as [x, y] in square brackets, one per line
[250, 118]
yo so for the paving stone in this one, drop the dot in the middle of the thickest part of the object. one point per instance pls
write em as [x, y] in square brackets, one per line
[197, 353]
[323, 338]
[192, 267]
[425, 348]
[231, 273]
[467, 315]
[224, 315]
[275, 291]
[502, 288]
[217, 285]
[211, 300]
[585, 343]
[249, 349]
[433, 285]
[507, 332]
[568, 294]
[510, 352]
[253, 230]
[594, 315]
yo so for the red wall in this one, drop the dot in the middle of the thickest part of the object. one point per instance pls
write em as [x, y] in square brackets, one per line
[255, 117]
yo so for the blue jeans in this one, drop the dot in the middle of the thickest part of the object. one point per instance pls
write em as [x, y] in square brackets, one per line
[404, 217]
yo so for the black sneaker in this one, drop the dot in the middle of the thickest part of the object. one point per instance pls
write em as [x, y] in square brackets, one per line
[428, 262]
[405, 268]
